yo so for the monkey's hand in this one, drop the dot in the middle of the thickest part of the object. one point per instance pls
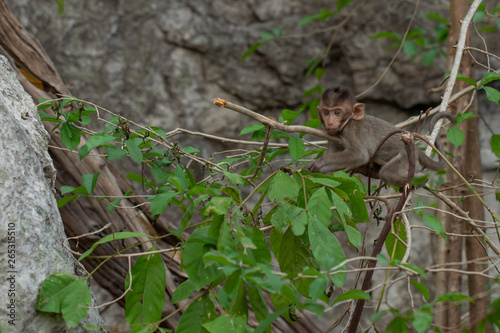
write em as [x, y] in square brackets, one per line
[315, 166]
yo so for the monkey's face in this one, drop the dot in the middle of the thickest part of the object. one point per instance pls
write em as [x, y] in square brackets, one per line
[336, 116]
[332, 118]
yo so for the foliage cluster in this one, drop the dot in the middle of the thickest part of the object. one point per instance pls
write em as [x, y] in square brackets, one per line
[276, 232]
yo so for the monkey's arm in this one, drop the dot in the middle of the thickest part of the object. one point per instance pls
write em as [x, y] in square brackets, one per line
[338, 160]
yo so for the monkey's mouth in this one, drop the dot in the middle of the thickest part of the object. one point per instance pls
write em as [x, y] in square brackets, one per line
[332, 131]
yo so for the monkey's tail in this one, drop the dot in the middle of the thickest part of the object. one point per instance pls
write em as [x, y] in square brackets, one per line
[426, 161]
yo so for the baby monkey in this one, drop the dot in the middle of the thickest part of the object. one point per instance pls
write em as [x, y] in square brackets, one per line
[361, 134]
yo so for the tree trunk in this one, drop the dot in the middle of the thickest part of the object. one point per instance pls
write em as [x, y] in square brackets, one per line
[468, 163]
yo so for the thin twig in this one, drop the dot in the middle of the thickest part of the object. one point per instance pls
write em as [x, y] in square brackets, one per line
[262, 153]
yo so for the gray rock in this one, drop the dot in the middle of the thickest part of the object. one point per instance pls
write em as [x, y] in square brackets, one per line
[31, 230]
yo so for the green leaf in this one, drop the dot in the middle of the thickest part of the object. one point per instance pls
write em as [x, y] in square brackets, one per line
[386, 34]
[183, 291]
[267, 36]
[461, 117]
[342, 3]
[325, 247]
[226, 324]
[319, 72]
[382, 260]
[453, 297]
[44, 103]
[235, 178]
[318, 287]
[199, 312]
[492, 94]
[296, 147]
[144, 301]
[99, 139]
[115, 153]
[64, 200]
[340, 205]
[322, 15]
[160, 202]
[89, 181]
[478, 16]
[437, 17]
[261, 251]
[353, 235]
[289, 116]
[219, 205]
[435, 224]
[70, 135]
[76, 303]
[112, 238]
[280, 216]
[270, 319]
[461, 77]
[47, 117]
[397, 325]
[293, 258]
[287, 298]
[429, 57]
[488, 77]
[319, 206]
[141, 180]
[53, 291]
[250, 50]
[228, 293]
[282, 186]
[416, 269]
[495, 144]
[190, 150]
[409, 48]
[297, 217]
[325, 181]
[415, 33]
[377, 315]
[259, 306]
[69, 189]
[196, 246]
[395, 249]
[134, 150]
[64, 293]
[353, 294]
[239, 306]
[455, 135]
[423, 319]
[422, 289]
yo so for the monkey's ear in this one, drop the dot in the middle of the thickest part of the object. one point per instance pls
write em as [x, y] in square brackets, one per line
[358, 111]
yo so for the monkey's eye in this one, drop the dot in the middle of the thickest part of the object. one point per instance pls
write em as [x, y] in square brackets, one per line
[326, 112]
[337, 112]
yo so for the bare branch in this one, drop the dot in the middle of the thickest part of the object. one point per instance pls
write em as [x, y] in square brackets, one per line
[274, 124]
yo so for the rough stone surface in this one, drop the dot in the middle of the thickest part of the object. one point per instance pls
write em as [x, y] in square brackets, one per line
[31, 230]
[166, 61]
[163, 62]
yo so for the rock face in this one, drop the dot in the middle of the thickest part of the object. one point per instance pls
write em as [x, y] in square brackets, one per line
[31, 230]
[165, 61]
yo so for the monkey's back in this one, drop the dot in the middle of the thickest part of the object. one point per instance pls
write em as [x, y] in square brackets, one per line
[376, 130]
